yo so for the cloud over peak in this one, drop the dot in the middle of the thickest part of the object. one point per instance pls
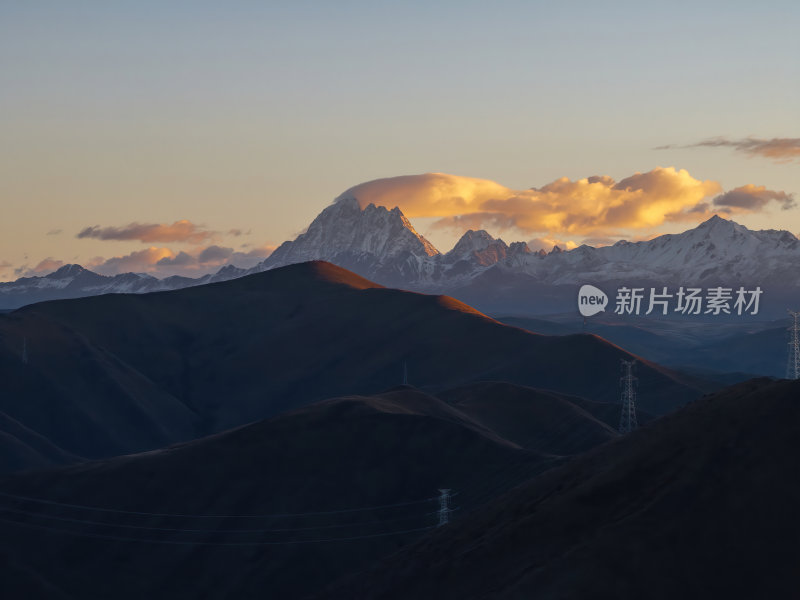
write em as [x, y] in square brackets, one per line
[594, 207]
[428, 194]
[45, 266]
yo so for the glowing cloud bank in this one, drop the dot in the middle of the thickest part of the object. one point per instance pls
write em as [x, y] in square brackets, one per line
[595, 206]
[164, 261]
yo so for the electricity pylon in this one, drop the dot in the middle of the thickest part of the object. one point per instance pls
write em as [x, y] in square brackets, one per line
[444, 507]
[627, 421]
[793, 361]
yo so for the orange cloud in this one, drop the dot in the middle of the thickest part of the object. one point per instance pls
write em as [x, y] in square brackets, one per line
[140, 261]
[593, 206]
[548, 243]
[430, 194]
[47, 265]
[158, 261]
[179, 231]
[589, 206]
[163, 261]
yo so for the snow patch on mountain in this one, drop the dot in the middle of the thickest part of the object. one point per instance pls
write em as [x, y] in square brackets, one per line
[715, 252]
[344, 228]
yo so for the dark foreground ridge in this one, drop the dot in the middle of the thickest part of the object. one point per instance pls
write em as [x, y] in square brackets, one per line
[124, 373]
[276, 509]
[699, 504]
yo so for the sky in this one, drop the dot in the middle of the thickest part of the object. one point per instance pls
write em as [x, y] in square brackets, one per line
[176, 137]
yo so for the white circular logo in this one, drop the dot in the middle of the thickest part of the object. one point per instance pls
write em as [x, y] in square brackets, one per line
[591, 300]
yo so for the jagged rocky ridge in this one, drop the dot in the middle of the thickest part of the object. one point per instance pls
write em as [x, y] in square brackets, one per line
[394, 253]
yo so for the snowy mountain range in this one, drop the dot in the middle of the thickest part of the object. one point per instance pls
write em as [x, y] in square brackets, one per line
[73, 281]
[717, 251]
[382, 245]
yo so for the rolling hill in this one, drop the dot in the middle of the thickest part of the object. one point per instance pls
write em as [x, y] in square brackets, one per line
[534, 419]
[122, 373]
[352, 469]
[702, 503]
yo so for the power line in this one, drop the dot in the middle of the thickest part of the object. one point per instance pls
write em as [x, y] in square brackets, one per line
[212, 516]
[184, 530]
[189, 543]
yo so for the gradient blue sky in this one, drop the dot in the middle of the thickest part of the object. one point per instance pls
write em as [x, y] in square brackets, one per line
[253, 116]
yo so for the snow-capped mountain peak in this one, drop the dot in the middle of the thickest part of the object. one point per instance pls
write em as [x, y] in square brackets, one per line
[67, 271]
[718, 251]
[381, 244]
[371, 239]
[481, 249]
[345, 227]
[473, 241]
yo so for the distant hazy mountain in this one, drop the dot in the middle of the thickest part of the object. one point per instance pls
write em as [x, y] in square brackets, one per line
[727, 352]
[73, 281]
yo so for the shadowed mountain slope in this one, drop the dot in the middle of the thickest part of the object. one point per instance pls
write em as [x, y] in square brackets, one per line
[81, 396]
[397, 449]
[533, 419]
[121, 373]
[21, 448]
[700, 504]
[726, 351]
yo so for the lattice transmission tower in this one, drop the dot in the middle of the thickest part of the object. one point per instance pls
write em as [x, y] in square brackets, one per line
[627, 421]
[444, 507]
[793, 360]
